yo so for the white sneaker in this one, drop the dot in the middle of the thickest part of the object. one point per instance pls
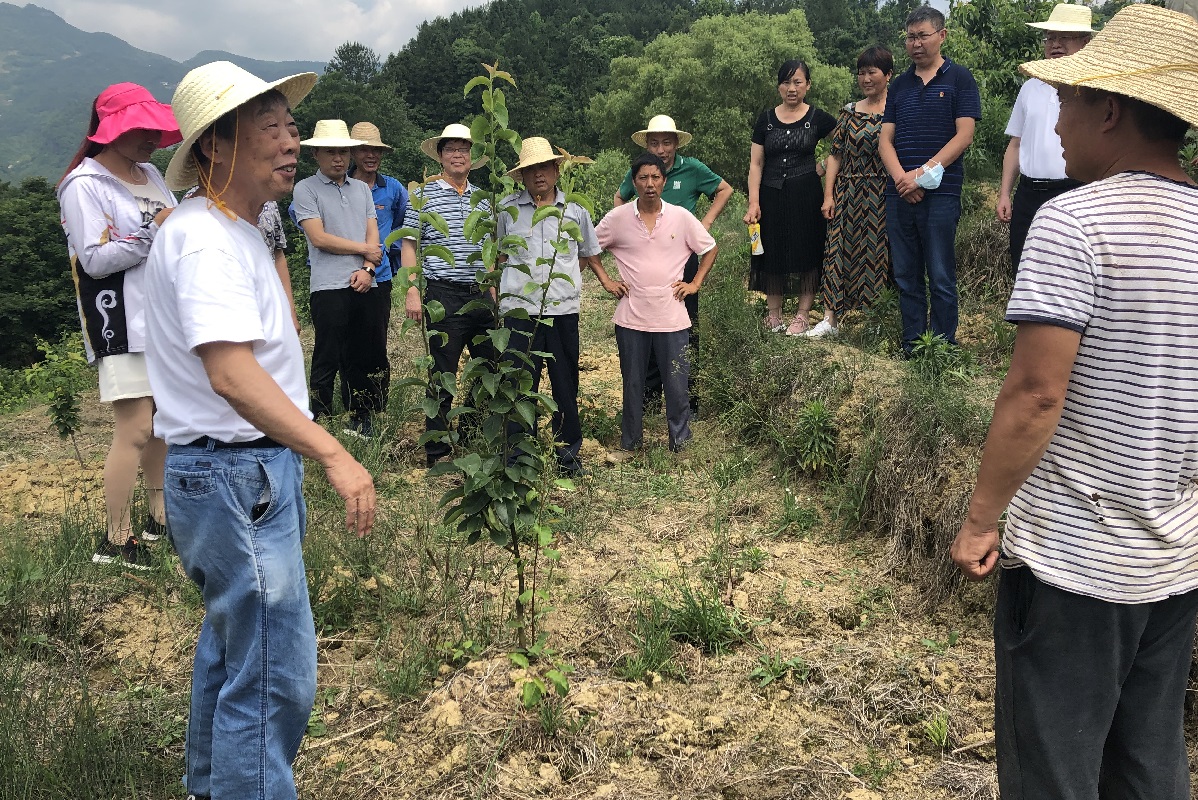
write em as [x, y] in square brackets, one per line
[823, 328]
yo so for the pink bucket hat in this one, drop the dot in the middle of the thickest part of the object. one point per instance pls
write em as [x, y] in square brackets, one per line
[124, 107]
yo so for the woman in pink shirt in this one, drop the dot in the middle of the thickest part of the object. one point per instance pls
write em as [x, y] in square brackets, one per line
[651, 241]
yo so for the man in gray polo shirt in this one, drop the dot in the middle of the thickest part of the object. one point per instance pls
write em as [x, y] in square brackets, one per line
[338, 218]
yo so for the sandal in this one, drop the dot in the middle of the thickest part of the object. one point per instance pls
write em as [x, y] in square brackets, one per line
[774, 324]
[797, 327]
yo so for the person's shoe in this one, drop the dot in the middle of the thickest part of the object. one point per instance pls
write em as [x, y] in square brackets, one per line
[153, 530]
[620, 456]
[571, 468]
[361, 429]
[823, 328]
[431, 460]
[797, 326]
[132, 554]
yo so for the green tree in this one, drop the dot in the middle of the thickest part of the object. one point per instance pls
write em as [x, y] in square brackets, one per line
[714, 80]
[37, 296]
[357, 62]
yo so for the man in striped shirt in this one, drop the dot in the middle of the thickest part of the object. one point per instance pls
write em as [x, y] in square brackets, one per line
[1094, 443]
[453, 285]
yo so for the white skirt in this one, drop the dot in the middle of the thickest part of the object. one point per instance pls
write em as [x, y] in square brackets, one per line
[123, 377]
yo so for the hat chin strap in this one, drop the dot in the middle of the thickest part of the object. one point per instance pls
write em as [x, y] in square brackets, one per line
[217, 198]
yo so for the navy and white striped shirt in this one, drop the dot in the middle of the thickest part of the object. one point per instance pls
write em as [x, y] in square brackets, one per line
[454, 208]
[1111, 510]
[925, 118]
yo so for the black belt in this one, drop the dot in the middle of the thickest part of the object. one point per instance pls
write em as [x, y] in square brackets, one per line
[261, 441]
[1048, 184]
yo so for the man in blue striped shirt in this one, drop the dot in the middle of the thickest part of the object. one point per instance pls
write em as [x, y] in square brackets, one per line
[1093, 451]
[453, 285]
[931, 111]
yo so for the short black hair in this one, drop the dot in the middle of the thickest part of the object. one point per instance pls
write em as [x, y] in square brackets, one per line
[446, 140]
[789, 68]
[647, 159]
[877, 57]
[925, 14]
[1154, 123]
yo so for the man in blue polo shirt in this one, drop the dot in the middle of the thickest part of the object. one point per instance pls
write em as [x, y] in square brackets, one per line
[390, 204]
[931, 111]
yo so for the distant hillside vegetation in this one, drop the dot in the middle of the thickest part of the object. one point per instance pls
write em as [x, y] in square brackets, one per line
[50, 71]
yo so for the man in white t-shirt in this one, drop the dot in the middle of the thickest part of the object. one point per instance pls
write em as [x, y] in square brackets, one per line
[1034, 153]
[1093, 449]
[227, 371]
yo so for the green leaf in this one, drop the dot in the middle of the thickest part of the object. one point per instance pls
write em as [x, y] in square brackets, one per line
[490, 253]
[531, 694]
[582, 200]
[437, 221]
[402, 233]
[544, 212]
[480, 127]
[559, 681]
[439, 251]
[519, 659]
[500, 337]
[435, 310]
[499, 108]
[480, 80]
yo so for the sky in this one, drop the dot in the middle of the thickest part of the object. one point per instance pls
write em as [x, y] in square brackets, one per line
[272, 30]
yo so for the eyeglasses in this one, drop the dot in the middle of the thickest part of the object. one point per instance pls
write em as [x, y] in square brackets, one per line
[456, 151]
[1063, 38]
[921, 37]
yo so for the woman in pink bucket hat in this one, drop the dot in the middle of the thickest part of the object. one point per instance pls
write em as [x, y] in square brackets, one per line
[112, 201]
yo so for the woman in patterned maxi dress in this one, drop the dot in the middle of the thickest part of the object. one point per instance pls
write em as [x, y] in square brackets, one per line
[857, 259]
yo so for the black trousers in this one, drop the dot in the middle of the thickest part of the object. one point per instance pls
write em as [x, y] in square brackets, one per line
[377, 365]
[346, 323]
[560, 340]
[1089, 697]
[1029, 196]
[653, 382]
[454, 333]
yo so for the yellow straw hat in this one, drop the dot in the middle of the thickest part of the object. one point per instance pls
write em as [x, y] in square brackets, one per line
[534, 150]
[209, 92]
[331, 133]
[661, 124]
[1067, 18]
[454, 131]
[369, 134]
[1145, 52]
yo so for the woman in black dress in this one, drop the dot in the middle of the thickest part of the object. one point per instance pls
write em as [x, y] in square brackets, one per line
[785, 196]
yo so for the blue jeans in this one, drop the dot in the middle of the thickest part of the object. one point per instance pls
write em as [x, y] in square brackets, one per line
[922, 238]
[236, 518]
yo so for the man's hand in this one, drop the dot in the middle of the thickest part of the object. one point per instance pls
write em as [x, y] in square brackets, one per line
[753, 214]
[413, 307]
[905, 183]
[915, 196]
[372, 254]
[683, 289]
[615, 288]
[360, 280]
[975, 550]
[1003, 210]
[355, 486]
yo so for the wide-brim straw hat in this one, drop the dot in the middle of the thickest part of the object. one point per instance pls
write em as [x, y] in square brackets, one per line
[209, 92]
[534, 150]
[661, 124]
[454, 131]
[369, 134]
[331, 133]
[125, 107]
[1145, 52]
[1067, 18]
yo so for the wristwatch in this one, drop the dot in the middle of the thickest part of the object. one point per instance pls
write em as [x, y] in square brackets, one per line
[369, 270]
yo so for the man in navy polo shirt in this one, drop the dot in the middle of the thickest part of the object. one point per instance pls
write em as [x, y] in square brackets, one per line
[390, 205]
[931, 111]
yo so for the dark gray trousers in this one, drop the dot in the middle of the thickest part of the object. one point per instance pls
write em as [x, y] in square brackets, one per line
[670, 350]
[1090, 694]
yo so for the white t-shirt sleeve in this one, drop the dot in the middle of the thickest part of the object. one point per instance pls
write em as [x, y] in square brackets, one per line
[1019, 113]
[217, 300]
[1056, 280]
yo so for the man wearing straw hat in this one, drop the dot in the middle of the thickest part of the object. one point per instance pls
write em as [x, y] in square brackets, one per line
[687, 179]
[1034, 152]
[390, 206]
[1093, 450]
[452, 284]
[228, 375]
[337, 215]
[553, 304]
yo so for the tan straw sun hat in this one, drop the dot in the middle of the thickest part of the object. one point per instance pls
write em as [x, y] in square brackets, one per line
[454, 131]
[534, 150]
[369, 135]
[1067, 18]
[331, 133]
[209, 92]
[661, 124]
[1145, 52]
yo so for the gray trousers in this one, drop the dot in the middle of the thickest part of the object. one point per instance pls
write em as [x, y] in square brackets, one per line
[1090, 695]
[670, 351]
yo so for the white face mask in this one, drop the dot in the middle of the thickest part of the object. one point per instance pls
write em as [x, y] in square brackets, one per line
[930, 178]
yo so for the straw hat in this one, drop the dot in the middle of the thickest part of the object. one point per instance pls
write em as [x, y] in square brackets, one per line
[454, 131]
[331, 133]
[662, 124]
[369, 135]
[209, 92]
[1067, 18]
[534, 150]
[1145, 52]
[124, 107]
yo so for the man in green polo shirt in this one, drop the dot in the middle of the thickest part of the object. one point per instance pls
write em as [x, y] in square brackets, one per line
[686, 179]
